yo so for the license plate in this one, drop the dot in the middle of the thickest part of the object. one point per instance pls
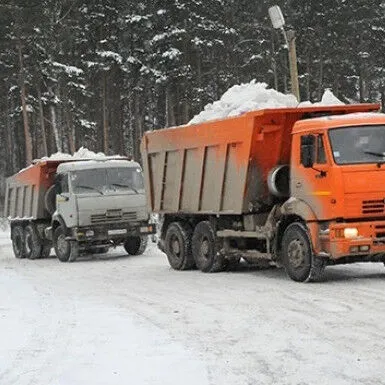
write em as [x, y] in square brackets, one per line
[117, 232]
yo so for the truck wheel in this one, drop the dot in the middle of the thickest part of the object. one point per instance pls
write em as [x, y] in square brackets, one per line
[298, 259]
[66, 251]
[18, 242]
[45, 251]
[32, 242]
[136, 245]
[205, 250]
[178, 246]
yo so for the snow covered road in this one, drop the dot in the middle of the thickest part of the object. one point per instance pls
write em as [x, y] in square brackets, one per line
[132, 320]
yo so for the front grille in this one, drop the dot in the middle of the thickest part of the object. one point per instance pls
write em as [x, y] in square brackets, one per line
[373, 207]
[112, 216]
[380, 231]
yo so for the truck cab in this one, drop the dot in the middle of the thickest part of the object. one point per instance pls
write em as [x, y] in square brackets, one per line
[338, 172]
[78, 206]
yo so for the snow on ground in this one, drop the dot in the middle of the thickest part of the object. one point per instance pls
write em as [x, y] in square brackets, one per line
[133, 320]
[254, 96]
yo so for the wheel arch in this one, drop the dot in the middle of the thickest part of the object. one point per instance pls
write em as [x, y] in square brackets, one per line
[297, 210]
[57, 220]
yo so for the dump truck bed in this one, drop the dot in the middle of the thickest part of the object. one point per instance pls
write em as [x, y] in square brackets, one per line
[26, 191]
[221, 167]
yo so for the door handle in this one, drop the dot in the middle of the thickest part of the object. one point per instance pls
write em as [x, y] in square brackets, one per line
[298, 184]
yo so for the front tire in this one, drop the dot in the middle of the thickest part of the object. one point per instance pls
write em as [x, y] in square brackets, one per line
[18, 242]
[32, 243]
[66, 251]
[297, 255]
[205, 250]
[136, 245]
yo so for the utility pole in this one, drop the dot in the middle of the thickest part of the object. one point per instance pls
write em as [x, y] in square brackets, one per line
[278, 22]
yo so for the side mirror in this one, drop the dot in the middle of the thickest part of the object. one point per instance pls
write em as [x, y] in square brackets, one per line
[307, 150]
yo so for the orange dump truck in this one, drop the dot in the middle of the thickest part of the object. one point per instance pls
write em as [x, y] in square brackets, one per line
[303, 188]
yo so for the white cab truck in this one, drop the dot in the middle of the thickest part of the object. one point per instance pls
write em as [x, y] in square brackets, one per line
[77, 206]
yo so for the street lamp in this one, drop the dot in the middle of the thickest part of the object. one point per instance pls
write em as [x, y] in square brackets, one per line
[278, 22]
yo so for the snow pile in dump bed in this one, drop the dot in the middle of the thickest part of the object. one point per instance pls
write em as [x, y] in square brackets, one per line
[82, 153]
[254, 96]
[328, 99]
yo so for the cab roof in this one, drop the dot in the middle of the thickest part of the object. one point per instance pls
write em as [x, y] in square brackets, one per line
[335, 121]
[95, 164]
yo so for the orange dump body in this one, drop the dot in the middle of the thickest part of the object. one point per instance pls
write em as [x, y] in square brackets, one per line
[221, 166]
[26, 191]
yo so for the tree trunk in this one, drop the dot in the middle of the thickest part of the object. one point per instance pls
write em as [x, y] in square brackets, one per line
[308, 95]
[170, 111]
[105, 116]
[55, 130]
[139, 128]
[71, 132]
[320, 76]
[23, 95]
[42, 123]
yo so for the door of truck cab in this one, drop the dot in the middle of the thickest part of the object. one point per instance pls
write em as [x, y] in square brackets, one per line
[312, 178]
[65, 200]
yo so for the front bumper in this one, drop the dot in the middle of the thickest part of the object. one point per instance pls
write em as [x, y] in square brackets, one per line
[368, 244]
[111, 232]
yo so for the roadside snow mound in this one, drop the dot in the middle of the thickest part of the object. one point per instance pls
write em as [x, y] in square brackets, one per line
[254, 96]
[82, 153]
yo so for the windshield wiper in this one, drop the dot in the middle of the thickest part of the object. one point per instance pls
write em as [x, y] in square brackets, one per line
[91, 188]
[380, 154]
[124, 185]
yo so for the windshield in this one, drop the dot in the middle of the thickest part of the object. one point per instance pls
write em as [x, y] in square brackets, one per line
[101, 180]
[355, 145]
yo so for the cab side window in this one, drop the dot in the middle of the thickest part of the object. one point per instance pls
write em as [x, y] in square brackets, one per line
[62, 183]
[321, 154]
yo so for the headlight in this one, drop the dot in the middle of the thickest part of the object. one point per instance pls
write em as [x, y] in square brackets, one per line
[350, 232]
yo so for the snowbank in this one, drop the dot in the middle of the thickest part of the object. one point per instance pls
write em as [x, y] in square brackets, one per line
[82, 153]
[254, 96]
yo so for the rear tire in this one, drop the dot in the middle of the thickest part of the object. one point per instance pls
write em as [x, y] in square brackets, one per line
[46, 251]
[205, 249]
[32, 243]
[66, 251]
[297, 254]
[17, 236]
[177, 245]
[136, 245]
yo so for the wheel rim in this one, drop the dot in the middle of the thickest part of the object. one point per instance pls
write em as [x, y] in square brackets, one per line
[28, 243]
[17, 244]
[205, 248]
[62, 245]
[297, 254]
[175, 247]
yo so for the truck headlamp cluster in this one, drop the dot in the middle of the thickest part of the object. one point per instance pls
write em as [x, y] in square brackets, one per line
[347, 232]
[350, 232]
[90, 233]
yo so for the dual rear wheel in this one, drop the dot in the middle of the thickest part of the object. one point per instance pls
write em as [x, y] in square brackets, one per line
[187, 248]
[27, 243]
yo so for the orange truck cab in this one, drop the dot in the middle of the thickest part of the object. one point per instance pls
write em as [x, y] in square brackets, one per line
[302, 187]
